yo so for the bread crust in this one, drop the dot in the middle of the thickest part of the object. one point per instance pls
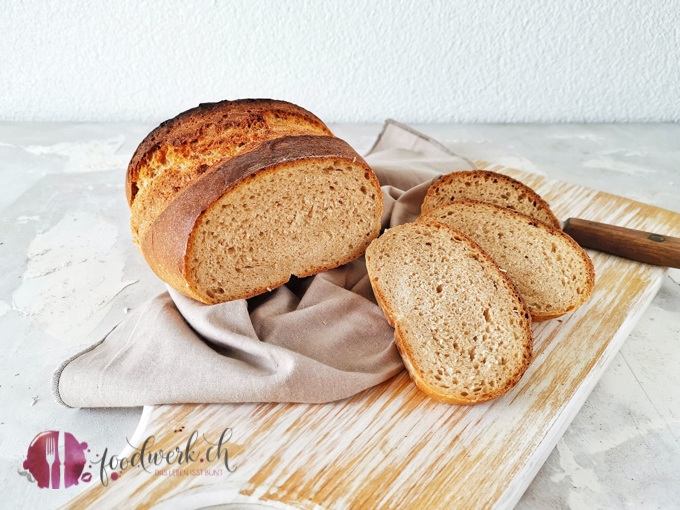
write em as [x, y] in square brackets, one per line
[488, 175]
[187, 126]
[407, 354]
[536, 316]
[168, 241]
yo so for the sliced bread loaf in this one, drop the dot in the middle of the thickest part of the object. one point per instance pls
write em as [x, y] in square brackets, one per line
[186, 147]
[461, 327]
[228, 200]
[292, 206]
[490, 187]
[552, 272]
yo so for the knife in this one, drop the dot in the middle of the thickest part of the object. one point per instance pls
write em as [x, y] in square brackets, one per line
[648, 247]
[61, 449]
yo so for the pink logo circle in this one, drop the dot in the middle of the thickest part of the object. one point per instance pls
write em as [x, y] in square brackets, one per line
[56, 459]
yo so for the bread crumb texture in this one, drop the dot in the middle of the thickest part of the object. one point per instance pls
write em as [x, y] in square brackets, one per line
[298, 219]
[552, 272]
[462, 329]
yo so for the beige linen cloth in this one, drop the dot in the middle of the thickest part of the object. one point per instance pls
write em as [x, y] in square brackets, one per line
[313, 340]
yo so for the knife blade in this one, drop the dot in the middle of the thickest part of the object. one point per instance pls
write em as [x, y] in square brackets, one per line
[648, 247]
[61, 449]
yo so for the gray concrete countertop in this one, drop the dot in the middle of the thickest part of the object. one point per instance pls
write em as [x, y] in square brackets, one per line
[70, 272]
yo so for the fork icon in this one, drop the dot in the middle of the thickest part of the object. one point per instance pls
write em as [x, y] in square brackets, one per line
[49, 456]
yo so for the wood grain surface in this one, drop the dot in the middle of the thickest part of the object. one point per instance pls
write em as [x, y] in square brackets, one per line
[393, 447]
[649, 247]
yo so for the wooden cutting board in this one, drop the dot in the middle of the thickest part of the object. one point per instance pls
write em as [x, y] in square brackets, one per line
[393, 447]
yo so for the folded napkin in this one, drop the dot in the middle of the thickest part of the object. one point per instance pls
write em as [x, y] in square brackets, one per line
[315, 339]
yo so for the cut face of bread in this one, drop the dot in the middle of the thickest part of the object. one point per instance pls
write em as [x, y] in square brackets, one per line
[461, 327]
[292, 206]
[491, 187]
[552, 272]
[183, 149]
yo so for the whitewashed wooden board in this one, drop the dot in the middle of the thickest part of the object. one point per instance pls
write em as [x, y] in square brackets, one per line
[393, 447]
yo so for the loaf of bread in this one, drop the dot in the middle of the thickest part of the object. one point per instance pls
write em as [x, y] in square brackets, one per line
[489, 187]
[228, 200]
[552, 272]
[461, 326]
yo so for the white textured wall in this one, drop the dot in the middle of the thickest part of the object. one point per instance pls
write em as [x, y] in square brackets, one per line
[471, 61]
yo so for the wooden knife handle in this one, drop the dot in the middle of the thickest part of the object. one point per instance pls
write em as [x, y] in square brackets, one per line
[647, 247]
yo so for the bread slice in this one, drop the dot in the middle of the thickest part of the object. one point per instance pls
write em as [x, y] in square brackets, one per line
[461, 327]
[186, 147]
[490, 187]
[295, 205]
[552, 272]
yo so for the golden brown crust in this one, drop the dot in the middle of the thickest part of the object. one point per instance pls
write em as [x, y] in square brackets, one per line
[488, 175]
[188, 126]
[536, 316]
[169, 240]
[407, 354]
